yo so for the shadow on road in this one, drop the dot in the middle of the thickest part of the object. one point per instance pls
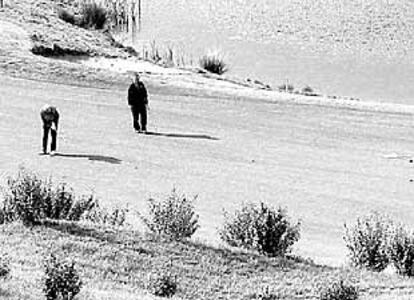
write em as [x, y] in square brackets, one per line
[183, 135]
[107, 159]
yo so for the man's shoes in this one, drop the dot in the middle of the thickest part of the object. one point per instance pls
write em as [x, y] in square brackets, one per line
[52, 153]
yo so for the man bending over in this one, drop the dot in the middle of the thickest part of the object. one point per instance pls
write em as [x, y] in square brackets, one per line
[50, 119]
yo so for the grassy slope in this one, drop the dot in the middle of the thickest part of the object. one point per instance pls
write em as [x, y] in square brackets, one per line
[116, 264]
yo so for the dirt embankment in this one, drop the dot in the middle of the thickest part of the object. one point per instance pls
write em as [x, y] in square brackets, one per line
[31, 31]
[32, 36]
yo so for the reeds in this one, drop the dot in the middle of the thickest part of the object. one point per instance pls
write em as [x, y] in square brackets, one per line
[123, 15]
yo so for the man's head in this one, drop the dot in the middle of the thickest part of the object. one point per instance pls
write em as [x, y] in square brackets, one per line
[136, 78]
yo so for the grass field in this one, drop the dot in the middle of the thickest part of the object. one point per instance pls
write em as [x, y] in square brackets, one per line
[326, 165]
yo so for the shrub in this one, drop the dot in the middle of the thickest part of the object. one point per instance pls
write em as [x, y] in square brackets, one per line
[401, 251]
[173, 217]
[93, 16]
[31, 199]
[261, 228]
[61, 279]
[266, 294]
[82, 206]
[286, 87]
[213, 63]
[339, 291]
[2, 216]
[66, 16]
[103, 216]
[4, 266]
[307, 90]
[368, 240]
[162, 283]
[25, 198]
[60, 202]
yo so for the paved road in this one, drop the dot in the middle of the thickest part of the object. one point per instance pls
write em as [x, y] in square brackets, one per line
[327, 165]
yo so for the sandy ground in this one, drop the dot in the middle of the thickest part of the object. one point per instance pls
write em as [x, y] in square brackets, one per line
[327, 165]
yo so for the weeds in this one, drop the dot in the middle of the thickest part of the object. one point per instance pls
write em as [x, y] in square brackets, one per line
[339, 291]
[25, 198]
[61, 280]
[286, 87]
[261, 228]
[31, 199]
[67, 16]
[93, 16]
[401, 251]
[103, 216]
[162, 285]
[214, 63]
[4, 266]
[368, 240]
[266, 294]
[173, 218]
[162, 282]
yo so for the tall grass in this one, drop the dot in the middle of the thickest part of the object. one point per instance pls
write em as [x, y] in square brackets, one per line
[93, 15]
[214, 63]
[31, 199]
[122, 14]
[166, 55]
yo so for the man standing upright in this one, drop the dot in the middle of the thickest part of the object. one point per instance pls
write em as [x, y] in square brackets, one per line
[50, 119]
[138, 101]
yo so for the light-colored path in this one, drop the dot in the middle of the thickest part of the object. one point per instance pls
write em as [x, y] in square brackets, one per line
[327, 165]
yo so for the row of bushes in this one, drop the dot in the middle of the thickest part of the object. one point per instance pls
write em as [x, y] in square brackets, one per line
[31, 199]
[373, 242]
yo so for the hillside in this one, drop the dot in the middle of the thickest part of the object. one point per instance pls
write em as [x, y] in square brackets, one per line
[115, 265]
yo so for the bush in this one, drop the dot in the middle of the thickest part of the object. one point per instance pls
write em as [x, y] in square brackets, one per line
[261, 228]
[339, 291]
[103, 216]
[66, 16]
[25, 198]
[162, 283]
[173, 217]
[266, 294]
[93, 16]
[4, 266]
[31, 199]
[286, 87]
[307, 90]
[61, 279]
[368, 240]
[213, 63]
[401, 251]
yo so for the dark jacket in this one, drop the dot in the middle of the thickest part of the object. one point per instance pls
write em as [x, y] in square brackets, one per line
[49, 115]
[137, 96]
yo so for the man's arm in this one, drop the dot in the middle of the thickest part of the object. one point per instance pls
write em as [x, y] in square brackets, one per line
[57, 120]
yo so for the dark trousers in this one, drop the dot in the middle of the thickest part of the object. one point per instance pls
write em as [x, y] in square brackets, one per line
[53, 133]
[139, 113]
